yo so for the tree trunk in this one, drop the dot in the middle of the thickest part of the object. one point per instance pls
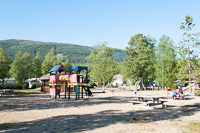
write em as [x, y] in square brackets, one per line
[24, 85]
[3, 83]
[103, 87]
[189, 62]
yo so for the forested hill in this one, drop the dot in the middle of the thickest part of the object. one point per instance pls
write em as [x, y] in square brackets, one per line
[75, 53]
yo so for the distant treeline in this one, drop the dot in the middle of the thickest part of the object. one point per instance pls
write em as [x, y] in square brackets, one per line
[75, 53]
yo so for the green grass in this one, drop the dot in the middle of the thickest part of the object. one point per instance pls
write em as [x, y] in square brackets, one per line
[28, 91]
[193, 127]
[9, 105]
[8, 125]
[197, 93]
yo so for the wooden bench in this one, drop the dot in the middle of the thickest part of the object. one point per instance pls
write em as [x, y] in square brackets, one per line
[6, 92]
[138, 102]
[1, 93]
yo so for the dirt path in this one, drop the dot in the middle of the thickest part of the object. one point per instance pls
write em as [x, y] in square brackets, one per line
[104, 112]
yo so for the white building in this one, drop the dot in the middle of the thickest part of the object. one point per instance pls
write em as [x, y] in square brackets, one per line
[117, 80]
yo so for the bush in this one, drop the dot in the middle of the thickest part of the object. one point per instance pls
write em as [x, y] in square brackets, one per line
[197, 93]
[115, 86]
[108, 86]
[35, 85]
[91, 84]
[174, 86]
[11, 85]
[99, 85]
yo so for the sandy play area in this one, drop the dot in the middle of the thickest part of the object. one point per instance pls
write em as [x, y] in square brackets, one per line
[107, 112]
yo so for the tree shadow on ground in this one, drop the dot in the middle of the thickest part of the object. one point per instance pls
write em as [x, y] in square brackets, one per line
[38, 102]
[88, 122]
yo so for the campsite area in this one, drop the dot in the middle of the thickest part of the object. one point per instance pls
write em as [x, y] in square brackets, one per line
[104, 112]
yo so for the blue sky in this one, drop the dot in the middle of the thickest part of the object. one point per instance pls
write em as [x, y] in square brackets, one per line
[90, 22]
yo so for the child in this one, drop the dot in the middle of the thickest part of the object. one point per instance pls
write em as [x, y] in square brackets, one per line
[175, 94]
[180, 90]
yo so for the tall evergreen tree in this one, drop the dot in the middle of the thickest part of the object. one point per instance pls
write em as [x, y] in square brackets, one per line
[4, 65]
[58, 60]
[21, 68]
[49, 61]
[103, 64]
[165, 65]
[140, 59]
[67, 64]
[36, 67]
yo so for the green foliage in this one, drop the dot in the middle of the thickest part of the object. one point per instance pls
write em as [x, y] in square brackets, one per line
[11, 85]
[165, 65]
[197, 93]
[103, 65]
[36, 67]
[29, 91]
[186, 64]
[174, 86]
[21, 68]
[49, 61]
[91, 84]
[140, 60]
[4, 64]
[75, 53]
[67, 64]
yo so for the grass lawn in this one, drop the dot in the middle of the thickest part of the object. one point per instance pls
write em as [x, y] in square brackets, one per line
[28, 91]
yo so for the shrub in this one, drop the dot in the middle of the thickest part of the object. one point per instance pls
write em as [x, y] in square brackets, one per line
[197, 93]
[35, 85]
[108, 86]
[174, 86]
[115, 86]
[99, 85]
[91, 84]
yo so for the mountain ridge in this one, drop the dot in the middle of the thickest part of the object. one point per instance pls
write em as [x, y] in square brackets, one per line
[74, 52]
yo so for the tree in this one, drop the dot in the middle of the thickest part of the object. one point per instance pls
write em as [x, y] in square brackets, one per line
[4, 65]
[67, 64]
[140, 58]
[21, 68]
[36, 67]
[189, 42]
[103, 64]
[49, 61]
[58, 60]
[165, 66]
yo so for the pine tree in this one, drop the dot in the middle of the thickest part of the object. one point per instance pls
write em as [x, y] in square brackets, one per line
[49, 61]
[66, 64]
[4, 65]
[36, 67]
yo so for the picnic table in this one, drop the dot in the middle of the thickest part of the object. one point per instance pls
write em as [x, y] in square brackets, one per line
[6, 91]
[148, 101]
[146, 98]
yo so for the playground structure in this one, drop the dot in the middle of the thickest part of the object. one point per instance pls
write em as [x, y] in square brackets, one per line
[193, 86]
[72, 82]
[169, 94]
[137, 84]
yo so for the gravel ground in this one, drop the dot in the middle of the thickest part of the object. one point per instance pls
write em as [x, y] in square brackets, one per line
[107, 112]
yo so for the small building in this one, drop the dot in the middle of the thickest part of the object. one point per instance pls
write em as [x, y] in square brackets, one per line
[45, 83]
[117, 80]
